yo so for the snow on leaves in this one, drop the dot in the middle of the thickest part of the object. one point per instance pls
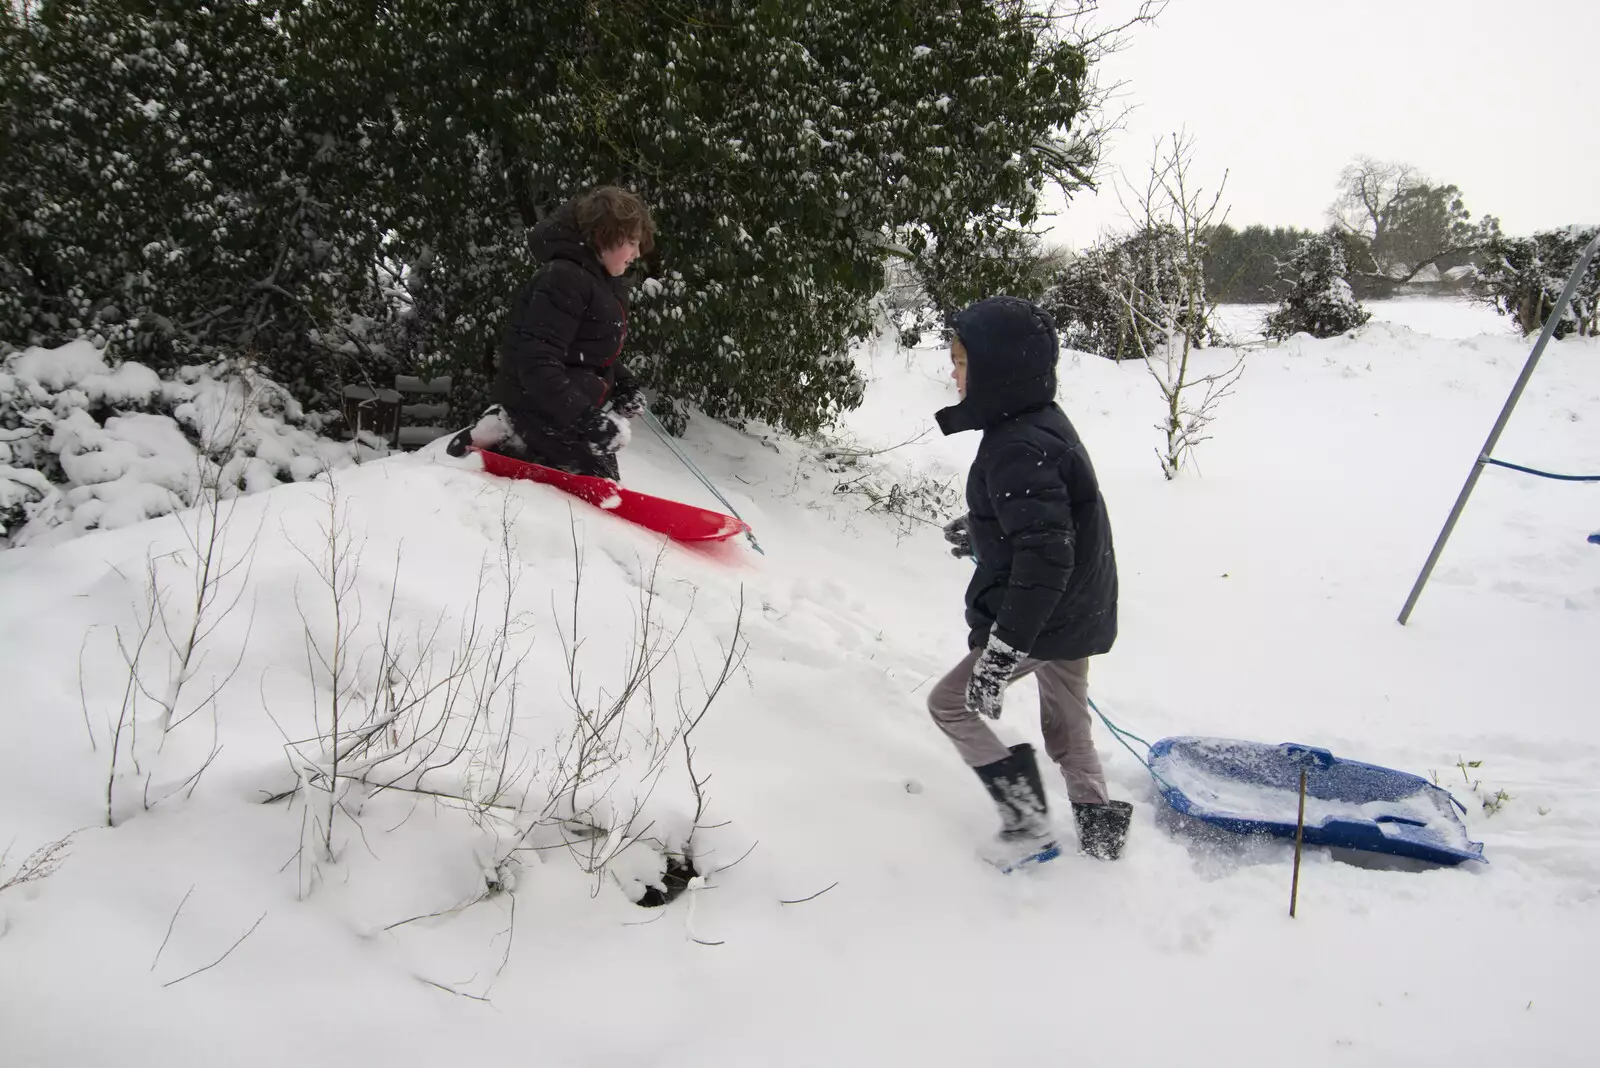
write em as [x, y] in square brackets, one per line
[84, 446]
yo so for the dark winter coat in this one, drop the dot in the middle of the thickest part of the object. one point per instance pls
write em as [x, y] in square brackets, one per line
[1046, 578]
[559, 351]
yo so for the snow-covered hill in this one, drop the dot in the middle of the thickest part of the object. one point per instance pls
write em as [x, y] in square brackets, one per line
[465, 913]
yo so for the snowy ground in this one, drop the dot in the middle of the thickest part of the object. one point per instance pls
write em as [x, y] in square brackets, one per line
[1259, 596]
[1444, 319]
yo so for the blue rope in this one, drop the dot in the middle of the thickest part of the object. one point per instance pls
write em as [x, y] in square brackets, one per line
[661, 432]
[1541, 474]
[1121, 735]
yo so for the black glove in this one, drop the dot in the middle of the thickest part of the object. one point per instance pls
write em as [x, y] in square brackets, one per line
[600, 432]
[960, 538]
[628, 403]
[990, 676]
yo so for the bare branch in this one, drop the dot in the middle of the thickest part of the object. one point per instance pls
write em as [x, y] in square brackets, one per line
[742, 856]
[130, 691]
[83, 699]
[803, 900]
[40, 864]
[450, 990]
[511, 934]
[442, 912]
[222, 958]
[170, 925]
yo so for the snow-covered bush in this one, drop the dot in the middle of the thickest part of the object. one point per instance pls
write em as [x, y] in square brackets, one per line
[87, 445]
[351, 196]
[156, 193]
[960, 268]
[1082, 299]
[1319, 300]
[908, 496]
[1090, 295]
[1523, 276]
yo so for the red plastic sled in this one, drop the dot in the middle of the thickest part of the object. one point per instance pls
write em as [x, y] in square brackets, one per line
[678, 521]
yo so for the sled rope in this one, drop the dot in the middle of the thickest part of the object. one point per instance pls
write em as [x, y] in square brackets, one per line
[1121, 735]
[661, 432]
[1542, 474]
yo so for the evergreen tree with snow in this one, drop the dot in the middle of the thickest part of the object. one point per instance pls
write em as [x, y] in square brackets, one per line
[1318, 298]
[1523, 277]
[348, 191]
[784, 150]
[154, 193]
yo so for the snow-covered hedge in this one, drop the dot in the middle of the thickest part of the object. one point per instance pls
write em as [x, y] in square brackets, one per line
[86, 445]
[1523, 277]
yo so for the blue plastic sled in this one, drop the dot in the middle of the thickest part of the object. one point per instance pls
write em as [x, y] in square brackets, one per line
[1254, 788]
[1594, 539]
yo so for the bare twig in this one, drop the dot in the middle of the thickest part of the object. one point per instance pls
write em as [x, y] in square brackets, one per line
[442, 912]
[845, 452]
[660, 915]
[83, 699]
[130, 692]
[450, 990]
[40, 864]
[742, 856]
[222, 958]
[813, 897]
[338, 570]
[170, 925]
[192, 781]
[511, 934]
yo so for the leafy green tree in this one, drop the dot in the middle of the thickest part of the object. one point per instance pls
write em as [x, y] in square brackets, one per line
[783, 147]
[347, 190]
[153, 193]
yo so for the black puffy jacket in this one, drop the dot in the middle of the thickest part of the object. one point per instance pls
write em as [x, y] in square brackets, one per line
[559, 352]
[1046, 578]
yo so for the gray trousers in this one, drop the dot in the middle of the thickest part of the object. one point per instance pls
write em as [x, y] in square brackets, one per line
[1063, 717]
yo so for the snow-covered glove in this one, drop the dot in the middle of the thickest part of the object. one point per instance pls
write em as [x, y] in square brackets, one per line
[602, 433]
[959, 537]
[628, 403]
[990, 676]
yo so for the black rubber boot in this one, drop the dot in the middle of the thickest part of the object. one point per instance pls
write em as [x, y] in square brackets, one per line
[1018, 793]
[1102, 828]
[1026, 837]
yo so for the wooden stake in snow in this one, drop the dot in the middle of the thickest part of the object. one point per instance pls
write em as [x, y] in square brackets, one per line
[1299, 837]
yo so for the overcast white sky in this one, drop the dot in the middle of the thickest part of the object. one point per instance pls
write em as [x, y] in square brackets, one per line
[1500, 97]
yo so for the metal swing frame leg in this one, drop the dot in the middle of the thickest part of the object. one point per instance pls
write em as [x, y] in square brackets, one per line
[1545, 335]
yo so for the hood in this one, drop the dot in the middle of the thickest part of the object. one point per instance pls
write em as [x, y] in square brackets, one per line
[1011, 363]
[557, 237]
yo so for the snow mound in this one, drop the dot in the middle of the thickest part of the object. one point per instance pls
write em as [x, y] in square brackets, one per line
[833, 829]
[89, 446]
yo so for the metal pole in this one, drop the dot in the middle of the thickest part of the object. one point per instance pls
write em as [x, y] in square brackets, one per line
[1500, 424]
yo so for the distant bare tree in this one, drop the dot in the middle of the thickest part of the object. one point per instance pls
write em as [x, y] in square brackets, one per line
[1404, 221]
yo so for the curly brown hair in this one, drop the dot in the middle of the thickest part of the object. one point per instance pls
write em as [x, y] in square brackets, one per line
[610, 215]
